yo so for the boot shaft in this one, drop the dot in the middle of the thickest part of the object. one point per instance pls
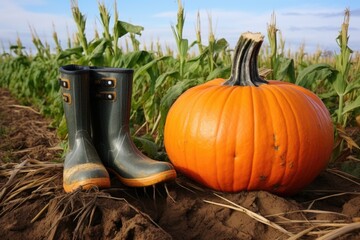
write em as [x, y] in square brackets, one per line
[75, 88]
[111, 106]
[82, 166]
[111, 101]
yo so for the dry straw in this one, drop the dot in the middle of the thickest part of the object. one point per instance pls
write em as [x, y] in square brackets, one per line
[251, 214]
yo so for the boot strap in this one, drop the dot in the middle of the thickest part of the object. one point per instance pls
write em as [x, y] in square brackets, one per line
[110, 96]
[106, 82]
[65, 83]
[66, 98]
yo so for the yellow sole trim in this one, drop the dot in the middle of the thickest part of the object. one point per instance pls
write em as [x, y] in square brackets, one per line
[101, 182]
[83, 167]
[87, 184]
[146, 181]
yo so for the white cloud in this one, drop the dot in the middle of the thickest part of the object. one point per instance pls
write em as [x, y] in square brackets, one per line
[16, 20]
[312, 27]
[317, 27]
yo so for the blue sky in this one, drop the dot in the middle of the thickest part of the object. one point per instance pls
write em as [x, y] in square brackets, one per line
[313, 23]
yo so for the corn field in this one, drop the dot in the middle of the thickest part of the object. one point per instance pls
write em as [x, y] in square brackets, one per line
[162, 75]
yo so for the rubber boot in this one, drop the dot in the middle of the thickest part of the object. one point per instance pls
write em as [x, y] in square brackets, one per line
[112, 103]
[82, 167]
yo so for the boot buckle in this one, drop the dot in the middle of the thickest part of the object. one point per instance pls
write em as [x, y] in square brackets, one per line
[110, 96]
[66, 98]
[65, 83]
[106, 82]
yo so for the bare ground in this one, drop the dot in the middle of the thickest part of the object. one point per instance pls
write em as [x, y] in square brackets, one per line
[33, 204]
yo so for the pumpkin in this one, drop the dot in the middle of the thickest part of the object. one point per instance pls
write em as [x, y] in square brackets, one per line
[246, 133]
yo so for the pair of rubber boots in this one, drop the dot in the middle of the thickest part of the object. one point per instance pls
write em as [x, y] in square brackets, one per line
[97, 105]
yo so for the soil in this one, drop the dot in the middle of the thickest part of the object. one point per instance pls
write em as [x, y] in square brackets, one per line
[33, 204]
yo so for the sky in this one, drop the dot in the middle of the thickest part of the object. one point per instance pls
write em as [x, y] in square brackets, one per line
[312, 23]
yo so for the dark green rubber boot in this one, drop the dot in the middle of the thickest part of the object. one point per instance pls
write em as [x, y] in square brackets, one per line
[82, 167]
[111, 135]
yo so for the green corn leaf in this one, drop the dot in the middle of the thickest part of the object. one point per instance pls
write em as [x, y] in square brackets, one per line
[352, 105]
[201, 56]
[339, 84]
[138, 100]
[191, 67]
[123, 28]
[219, 73]
[352, 86]
[145, 67]
[77, 51]
[149, 109]
[285, 69]
[15, 47]
[175, 33]
[95, 43]
[148, 146]
[97, 48]
[175, 91]
[171, 95]
[62, 128]
[131, 59]
[220, 45]
[193, 44]
[184, 47]
[313, 73]
[328, 94]
[161, 79]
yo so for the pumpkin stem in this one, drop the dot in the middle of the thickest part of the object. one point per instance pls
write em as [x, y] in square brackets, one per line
[244, 70]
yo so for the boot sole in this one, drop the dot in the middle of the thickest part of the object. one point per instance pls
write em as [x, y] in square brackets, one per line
[85, 171]
[87, 184]
[146, 181]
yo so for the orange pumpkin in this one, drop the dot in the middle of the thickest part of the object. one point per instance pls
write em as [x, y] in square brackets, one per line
[247, 133]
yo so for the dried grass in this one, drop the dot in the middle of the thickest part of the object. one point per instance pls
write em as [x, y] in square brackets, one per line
[344, 175]
[33, 179]
[24, 107]
[340, 231]
[324, 229]
[295, 228]
[251, 214]
[27, 180]
[79, 205]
